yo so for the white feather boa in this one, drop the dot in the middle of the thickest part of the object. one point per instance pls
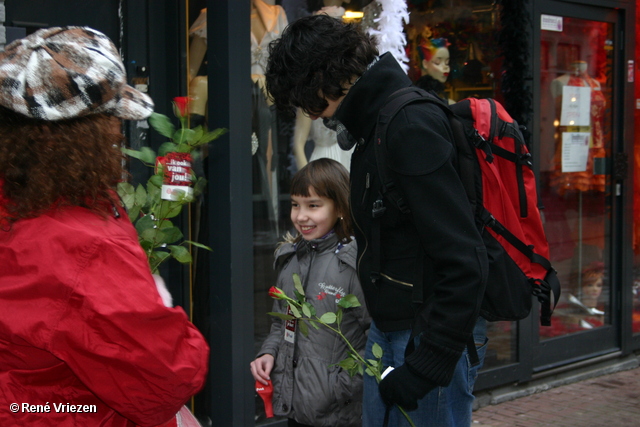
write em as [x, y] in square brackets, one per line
[390, 30]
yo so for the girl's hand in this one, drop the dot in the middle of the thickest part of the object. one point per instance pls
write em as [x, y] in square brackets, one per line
[261, 368]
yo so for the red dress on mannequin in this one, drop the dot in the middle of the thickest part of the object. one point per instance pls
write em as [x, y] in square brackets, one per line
[585, 180]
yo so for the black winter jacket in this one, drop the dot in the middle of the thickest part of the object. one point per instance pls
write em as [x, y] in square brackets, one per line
[436, 246]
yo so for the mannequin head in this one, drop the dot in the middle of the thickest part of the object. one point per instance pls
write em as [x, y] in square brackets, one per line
[592, 282]
[579, 67]
[434, 58]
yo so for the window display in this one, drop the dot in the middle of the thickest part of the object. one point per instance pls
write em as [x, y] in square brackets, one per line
[576, 138]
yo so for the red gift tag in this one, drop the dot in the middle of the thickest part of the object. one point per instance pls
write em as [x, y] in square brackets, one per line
[266, 393]
[176, 174]
[176, 168]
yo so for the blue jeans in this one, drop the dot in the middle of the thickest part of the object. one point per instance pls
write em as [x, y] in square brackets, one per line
[449, 406]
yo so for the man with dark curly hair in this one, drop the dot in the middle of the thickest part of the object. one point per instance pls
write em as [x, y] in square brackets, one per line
[85, 336]
[424, 269]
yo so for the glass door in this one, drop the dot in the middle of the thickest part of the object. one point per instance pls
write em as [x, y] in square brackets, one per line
[576, 100]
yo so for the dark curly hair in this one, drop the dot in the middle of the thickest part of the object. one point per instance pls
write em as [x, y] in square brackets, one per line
[331, 180]
[315, 58]
[45, 164]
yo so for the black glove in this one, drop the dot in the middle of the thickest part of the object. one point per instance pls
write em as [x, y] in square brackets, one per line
[404, 388]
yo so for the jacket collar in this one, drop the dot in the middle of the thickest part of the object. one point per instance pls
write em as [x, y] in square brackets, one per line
[303, 247]
[359, 110]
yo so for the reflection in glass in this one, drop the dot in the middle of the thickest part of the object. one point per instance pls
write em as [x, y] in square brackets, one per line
[576, 132]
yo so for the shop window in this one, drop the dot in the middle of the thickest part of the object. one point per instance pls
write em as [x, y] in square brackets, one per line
[575, 142]
[636, 181]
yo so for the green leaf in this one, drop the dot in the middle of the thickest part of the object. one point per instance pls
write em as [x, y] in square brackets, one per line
[169, 209]
[198, 133]
[339, 316]
[315, 325]
[162, 124]
[198, 245]
[349, 301]
[180, 253]
[304, 329]
[183, 148]
[295, 311]
[297, 283]
[377, 350]
[145, 155]
[156, 258]
[150, 234]
[210, 136]
[350, 365]
[155, 181]
[146, 245]
[182, 136]
[166, 147]
[127, 194]
[281, 315]
[140, 196]
[144, 223]
[170, 235]
[311, 308]
[306, 311]
[329, 317]
[134, 213]
[165, 224]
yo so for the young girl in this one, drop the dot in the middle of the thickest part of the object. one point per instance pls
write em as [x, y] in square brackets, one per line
[308, 386]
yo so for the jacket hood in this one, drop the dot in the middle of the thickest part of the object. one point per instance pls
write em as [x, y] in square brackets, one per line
[358, 112]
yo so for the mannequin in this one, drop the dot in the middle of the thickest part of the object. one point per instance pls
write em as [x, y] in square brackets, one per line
[325, 140]
[267, 23]
[434, 65]
[584, 180]
[198, 85]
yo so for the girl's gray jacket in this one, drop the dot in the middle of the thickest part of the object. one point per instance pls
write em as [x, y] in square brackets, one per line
[308, 386]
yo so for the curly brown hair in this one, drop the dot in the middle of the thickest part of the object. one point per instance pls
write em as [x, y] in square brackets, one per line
[45, 164]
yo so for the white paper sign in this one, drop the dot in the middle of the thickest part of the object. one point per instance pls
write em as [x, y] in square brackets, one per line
[575, 151]
[551, 23]
[576, 106]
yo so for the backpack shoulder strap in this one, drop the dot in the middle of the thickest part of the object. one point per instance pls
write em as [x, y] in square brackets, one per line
[396, 102]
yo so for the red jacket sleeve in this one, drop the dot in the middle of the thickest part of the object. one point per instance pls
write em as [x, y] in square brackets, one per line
[141, 358]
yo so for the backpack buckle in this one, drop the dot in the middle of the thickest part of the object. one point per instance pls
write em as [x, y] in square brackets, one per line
[482, 144]
[525, 159]
[378, 208]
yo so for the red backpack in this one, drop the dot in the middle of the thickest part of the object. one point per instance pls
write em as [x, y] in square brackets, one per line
[495, 167]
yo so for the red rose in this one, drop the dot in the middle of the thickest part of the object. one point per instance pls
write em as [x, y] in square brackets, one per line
[181, 104]
[275, 293]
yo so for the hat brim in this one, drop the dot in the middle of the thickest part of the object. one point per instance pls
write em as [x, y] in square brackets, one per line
[129, 104]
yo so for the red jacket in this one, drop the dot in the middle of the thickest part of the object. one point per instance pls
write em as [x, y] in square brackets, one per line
[82, 323]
